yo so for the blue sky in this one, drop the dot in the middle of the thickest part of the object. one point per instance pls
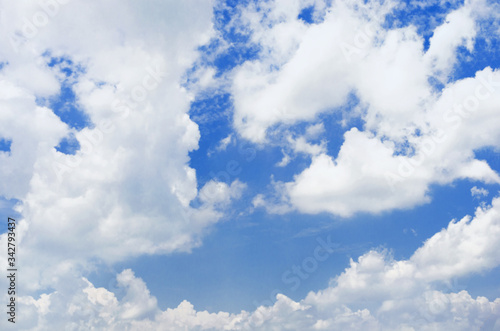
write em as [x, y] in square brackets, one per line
[177, 161]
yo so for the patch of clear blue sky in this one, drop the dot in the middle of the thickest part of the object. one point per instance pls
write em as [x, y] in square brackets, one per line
[241, 262]
[68, 145]
[239, 48]
[6, 205]
[65, 104]
[6, 211]
[5, 145]
[468, 63]
[306, 14]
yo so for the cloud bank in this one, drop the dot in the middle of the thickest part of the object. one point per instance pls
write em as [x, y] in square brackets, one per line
[376, 292]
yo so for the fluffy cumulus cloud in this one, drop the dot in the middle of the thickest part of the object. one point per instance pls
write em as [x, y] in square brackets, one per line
[415, 133]
[376, 292]
[127, 190]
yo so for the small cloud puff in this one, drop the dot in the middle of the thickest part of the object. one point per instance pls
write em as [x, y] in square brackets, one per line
[478, 192]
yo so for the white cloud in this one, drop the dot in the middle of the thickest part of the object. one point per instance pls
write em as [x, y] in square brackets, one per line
[464, 247]
[285, 160]
[354, 181]
[276, 203]
[127, 191]
[301, 145]
[412, 137]
[459, 29]
[314, 131]
[478, 192]
[224, 143]
[376, 292]
[219, 193]
[295, 83]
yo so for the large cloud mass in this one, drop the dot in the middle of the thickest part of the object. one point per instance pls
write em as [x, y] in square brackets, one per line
[127, 190]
